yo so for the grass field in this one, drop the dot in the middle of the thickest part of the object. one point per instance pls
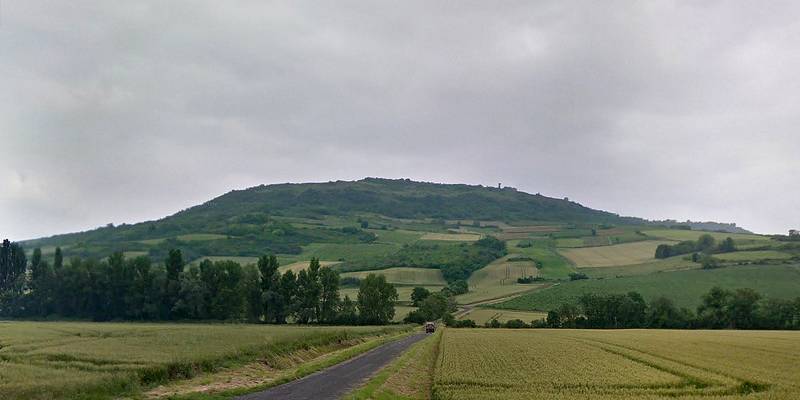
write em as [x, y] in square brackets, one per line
[498, 279]
[681, 235]
[482, 315]
[607, 256]
[405, 276]
[65, 360]
[676, 263]
[631, 364]
[554, 265]
[685, 288]
[754, 255]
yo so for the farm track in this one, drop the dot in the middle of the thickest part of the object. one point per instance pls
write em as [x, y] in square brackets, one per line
[334, 382]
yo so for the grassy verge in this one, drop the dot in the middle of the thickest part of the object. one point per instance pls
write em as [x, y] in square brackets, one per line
[298, 371]
[409, 377]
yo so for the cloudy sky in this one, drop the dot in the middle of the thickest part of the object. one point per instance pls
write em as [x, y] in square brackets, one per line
[127, 111]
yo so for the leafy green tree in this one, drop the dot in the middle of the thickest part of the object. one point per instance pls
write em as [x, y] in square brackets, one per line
[251, 286]
[376, 299]
[191, 302]
[663, 314]
[174, 265]
[12, 264]
[713, 311]
[727, 245]
[743, 307]
[222, 280]
[706, 243]
[288, 297]
[307, 300]
[270, 287]
[58, 259]
[314, 290]
[329, 296]
[347, 313]
[418, 295]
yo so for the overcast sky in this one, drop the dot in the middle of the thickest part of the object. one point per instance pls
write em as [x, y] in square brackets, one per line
[128, 111]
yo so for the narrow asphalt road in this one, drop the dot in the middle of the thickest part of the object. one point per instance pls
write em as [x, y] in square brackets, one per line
[332, 383]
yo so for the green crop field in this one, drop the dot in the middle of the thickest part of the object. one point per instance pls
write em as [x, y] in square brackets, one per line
[554, 265]
[685, 288]
[607, 256]
[677, 263]
[405, 276]
[66, 360]
[754, 255]
[631, 364]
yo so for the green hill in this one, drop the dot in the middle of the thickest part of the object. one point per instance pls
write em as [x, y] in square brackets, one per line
[345, 218]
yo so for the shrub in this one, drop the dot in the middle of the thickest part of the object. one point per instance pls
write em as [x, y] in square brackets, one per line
[576, 276]
[516, 324]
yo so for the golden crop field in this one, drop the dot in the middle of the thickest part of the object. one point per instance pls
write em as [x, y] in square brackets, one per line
[69, 360]
[483, 315]
[608, 256]
[617, 364]
[301, 265]
[498, 279]
[457, 237]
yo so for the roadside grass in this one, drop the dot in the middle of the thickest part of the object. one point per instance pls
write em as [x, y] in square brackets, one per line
[258, 377]
[409, 377]
[616, 255]
[685, 288]
[79, 360]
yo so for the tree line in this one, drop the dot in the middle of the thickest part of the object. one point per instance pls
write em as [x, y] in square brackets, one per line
[719, 309]
[702, 248]
[120, 288]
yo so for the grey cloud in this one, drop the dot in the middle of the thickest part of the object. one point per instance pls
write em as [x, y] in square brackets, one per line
[119, 112]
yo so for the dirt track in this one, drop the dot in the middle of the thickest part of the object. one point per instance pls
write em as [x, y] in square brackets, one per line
[332, 383]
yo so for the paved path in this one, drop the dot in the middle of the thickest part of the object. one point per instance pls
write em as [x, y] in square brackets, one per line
[332, 383]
